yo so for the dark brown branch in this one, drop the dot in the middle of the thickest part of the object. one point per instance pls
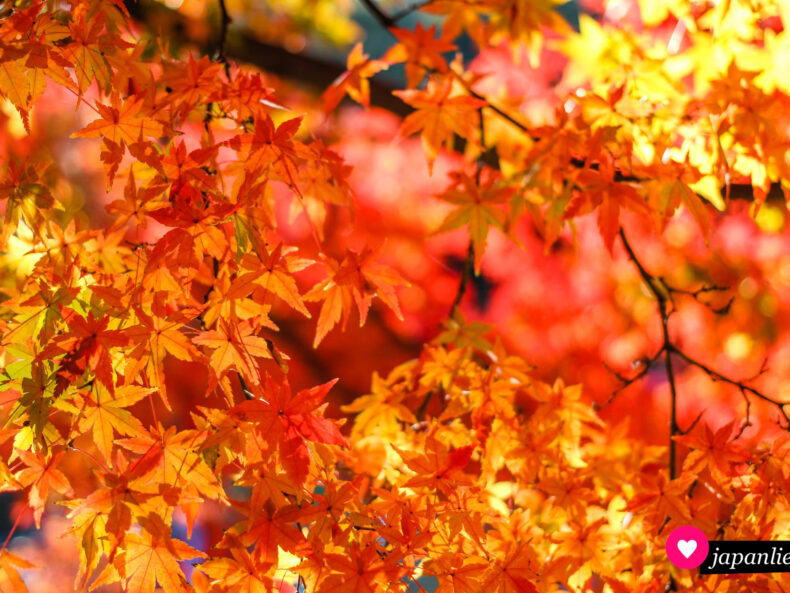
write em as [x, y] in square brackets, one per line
[384, 19]
[223, 36]
[390, 21]
[313, 72]
[661, 292]
[662, 298]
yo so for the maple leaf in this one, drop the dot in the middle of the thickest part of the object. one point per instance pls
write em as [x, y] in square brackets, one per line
[267, 532]
[421, 51]
[28, 196]
[270, 149]
[149, 558]
[439, 115]
[356, 279]
[246, 95]
[111, 156]
[354, 81]
[598, 189]
[122, 121]
[290, 420]
[180, 167]
[104, 414]
[10, 581]
[86, 53]
[326, 511]
[585, 546]
[136, 202]
[713, 450]
[457, 573]
[106, 514]
[41, 475]
[477, 207]
[438, 468]
[381, 411]
[87, 345]
[156, 335]
[234, 345]
[667, 196]
[360, 570]
[663, 498]
[20, 87]
[189, 84]
[510, 573]
[242, 573]
[228, 299]
[274, 273]
[171, 458]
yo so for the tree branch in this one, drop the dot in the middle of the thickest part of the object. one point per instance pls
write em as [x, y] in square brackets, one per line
[313, 72]
[223, 36]
[662, 298]
[663, 295]
[742, 386]
[384, 20]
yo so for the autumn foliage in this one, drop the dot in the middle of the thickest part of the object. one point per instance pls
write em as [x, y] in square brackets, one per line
[440, 319]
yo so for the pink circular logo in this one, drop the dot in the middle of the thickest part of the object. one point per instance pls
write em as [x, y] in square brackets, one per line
[687, 547]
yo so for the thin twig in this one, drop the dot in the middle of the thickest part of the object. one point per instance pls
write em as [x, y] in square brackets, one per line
[662, 298]
[745, 389]
[223, 36]
[693, 424]
[645, 363]
[468, 264]
[384, 19]
[748, 418]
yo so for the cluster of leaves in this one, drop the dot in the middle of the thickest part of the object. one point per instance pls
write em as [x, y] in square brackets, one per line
[460, 465]
[87, 332]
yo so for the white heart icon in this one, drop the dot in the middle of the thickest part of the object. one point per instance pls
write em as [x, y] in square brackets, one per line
[687, 547]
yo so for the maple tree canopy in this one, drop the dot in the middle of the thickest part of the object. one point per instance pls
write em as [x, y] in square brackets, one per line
[444, 296]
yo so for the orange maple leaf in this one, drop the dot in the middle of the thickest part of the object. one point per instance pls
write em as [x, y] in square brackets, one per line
[421, 51]
[356, 279]
[41, 474]
[122, 121]
[478, 207]
[149, 558]
[234, 345]
[440, 115]
[354, 81]
[289, 420]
